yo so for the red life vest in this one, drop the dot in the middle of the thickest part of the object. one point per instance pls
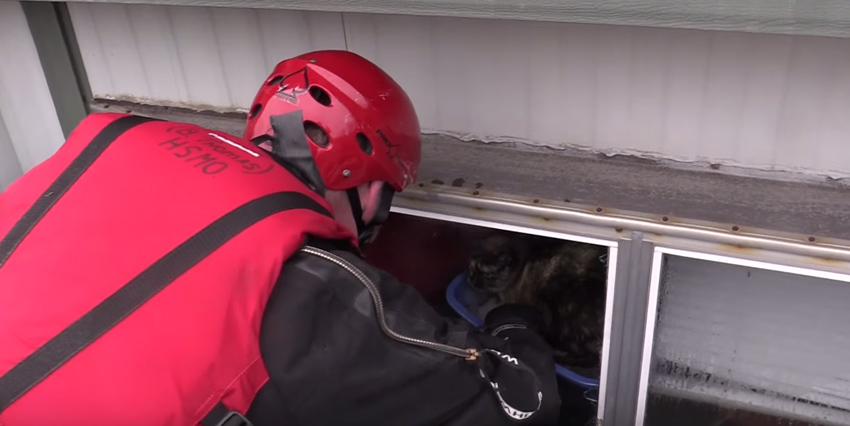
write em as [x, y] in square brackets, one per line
[160, 210]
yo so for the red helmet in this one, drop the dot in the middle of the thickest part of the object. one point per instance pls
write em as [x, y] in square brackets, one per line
[361, 125]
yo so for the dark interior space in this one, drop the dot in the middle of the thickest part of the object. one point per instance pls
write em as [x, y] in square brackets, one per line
[430, 254]
[424, 253]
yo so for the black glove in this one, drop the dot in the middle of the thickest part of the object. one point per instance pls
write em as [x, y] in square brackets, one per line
[515, 384]
[519, 367]
[512, 316]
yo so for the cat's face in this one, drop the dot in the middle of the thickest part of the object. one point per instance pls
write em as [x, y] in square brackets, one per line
[496, 263]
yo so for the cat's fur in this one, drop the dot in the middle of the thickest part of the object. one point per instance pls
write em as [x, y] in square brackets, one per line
[565, 280]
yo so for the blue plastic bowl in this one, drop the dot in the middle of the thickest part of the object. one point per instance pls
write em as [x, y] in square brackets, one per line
[462, 297]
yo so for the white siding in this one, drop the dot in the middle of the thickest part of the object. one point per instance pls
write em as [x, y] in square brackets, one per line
[770, 101]
[199, 56]
[798, 17]
[29, 127]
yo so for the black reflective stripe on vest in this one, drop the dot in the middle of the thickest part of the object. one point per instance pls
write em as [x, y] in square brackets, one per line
[221, 416]
[65, 180]
[128, 298]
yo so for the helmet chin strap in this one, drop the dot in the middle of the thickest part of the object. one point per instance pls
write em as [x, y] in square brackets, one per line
[290, 145]
[366, 231]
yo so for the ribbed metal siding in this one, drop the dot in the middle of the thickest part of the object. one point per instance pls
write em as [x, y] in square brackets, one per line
[29, 128]
[198, 56]
[769, 101]
[800, 17]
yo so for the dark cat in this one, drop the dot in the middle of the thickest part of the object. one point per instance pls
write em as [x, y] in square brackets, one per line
[565, 280]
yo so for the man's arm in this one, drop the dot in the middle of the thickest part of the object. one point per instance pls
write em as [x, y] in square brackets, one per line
[330, 362]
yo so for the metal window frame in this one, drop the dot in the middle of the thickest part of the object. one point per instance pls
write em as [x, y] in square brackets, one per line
[658, 257]
[627, 289]
[59, 54]
[631, 303]
[616, 268]
[629, 310]
[10, 166]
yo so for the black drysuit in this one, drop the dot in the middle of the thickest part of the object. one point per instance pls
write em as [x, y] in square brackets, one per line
[330, 363]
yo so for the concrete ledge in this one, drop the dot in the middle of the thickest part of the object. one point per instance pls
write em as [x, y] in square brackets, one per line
[621, 183]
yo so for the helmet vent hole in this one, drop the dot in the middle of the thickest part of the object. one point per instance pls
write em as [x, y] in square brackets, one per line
[275, 80]
[320, 95]
[255, 110]
[316, 134]
[365, 144]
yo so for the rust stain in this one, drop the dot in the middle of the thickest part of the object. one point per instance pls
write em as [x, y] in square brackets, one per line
[435, 187]
[738, 249]
[830, 262]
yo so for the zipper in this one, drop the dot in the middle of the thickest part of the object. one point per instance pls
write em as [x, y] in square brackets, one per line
[468, 354]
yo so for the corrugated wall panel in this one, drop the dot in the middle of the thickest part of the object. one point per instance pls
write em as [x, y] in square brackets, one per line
[188, 55]
[800, 17]
[758, 100]
[29, 127]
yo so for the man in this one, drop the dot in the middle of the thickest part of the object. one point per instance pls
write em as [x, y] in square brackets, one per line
[158, 273]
